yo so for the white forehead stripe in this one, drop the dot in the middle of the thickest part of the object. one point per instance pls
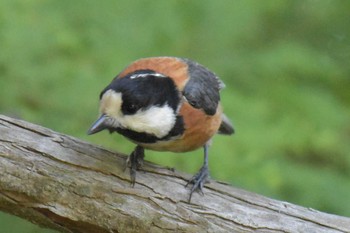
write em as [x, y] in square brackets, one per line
[147, 74]
[111, 103]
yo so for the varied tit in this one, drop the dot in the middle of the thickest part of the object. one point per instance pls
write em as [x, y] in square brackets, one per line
[164, 104]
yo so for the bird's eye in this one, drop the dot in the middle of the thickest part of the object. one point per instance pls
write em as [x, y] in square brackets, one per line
[133, 107]
[130, 108]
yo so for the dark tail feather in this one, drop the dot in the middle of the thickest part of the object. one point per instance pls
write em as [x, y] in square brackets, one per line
[226, 126]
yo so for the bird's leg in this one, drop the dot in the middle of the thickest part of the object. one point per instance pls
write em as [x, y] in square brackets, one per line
[135, 162]
[202, 175]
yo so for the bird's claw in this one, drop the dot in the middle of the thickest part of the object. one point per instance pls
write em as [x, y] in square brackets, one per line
[134, 162]
[198, 181]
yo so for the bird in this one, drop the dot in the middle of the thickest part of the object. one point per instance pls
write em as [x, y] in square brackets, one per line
[164, 104]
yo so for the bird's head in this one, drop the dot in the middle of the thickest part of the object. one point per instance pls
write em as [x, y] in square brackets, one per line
[142, 101]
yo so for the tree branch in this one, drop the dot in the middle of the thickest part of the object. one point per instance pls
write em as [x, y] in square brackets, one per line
[63, 183]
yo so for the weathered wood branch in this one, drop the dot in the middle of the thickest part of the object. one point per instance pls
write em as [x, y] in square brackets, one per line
[63, 183]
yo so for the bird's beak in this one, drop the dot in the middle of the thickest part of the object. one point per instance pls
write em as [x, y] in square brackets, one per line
[98, 126]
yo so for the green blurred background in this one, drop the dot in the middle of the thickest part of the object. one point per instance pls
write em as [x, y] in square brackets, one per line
[286, 65]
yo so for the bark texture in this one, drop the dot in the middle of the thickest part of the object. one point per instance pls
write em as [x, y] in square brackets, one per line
[63, 183]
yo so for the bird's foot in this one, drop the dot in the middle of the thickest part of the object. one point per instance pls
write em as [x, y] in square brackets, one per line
[135, 162]
[198, 181]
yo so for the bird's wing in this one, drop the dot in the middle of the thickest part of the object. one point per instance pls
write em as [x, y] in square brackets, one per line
[202, 88]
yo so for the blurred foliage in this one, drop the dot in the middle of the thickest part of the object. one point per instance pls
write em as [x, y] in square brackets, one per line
[285, 64]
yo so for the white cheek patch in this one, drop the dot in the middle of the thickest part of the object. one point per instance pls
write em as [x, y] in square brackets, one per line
[155, 120]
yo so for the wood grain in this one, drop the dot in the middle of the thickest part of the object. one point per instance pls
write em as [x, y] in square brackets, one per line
[63, 183]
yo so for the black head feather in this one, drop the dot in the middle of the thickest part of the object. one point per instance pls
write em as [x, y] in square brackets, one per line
[144, 88]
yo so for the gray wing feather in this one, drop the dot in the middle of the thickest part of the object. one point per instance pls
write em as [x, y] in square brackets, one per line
[202, 89]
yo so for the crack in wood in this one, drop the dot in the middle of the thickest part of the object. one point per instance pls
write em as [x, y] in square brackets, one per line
[63, 183]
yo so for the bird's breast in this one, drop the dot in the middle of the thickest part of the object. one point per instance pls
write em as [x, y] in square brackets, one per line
[198, 129]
